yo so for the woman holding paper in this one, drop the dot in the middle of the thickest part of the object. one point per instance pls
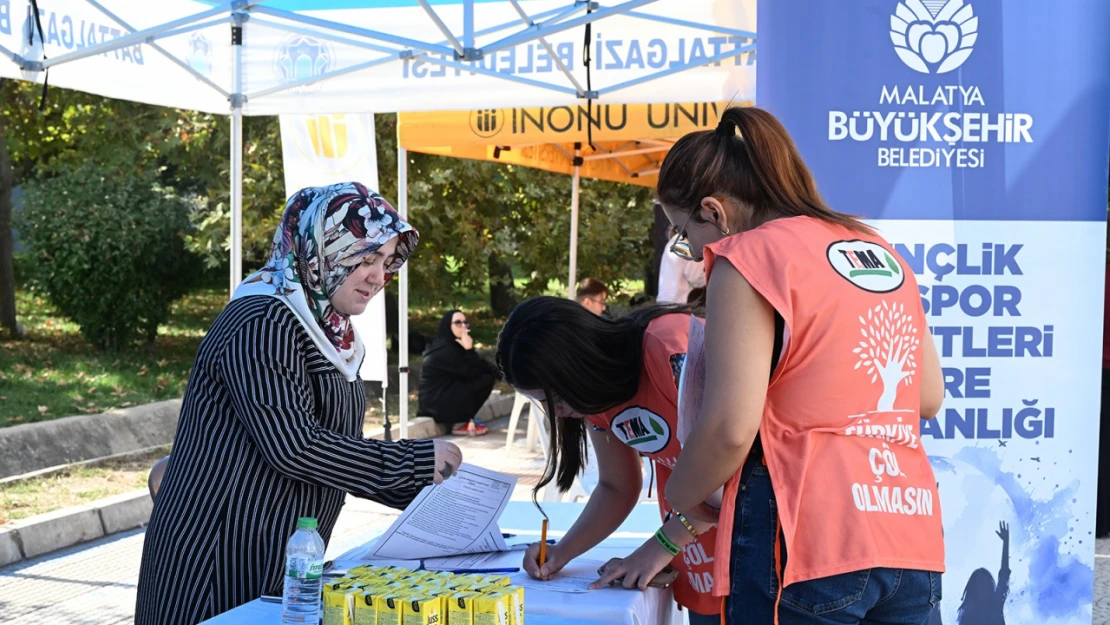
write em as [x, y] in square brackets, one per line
[830, 502]
[620, 376]
[271, 425]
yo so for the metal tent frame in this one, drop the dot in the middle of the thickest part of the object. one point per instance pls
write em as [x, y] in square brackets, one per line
[385, 48]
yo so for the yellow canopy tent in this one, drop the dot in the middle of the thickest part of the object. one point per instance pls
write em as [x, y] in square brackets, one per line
[616, 142]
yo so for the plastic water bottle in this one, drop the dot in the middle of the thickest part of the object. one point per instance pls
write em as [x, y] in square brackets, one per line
[304, 567]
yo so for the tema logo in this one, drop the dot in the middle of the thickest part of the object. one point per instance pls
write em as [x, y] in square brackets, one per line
[933, 36]
[487, 123]
[642, 430]
[300, 58]
[867, 265]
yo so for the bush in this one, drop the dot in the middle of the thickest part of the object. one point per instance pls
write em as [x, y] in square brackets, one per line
[23, 264]
[109, 249]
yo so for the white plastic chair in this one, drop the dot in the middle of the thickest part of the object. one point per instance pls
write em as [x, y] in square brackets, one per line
[520, 402]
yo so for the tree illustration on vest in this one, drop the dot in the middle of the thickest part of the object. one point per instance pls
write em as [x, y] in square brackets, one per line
[888, 349]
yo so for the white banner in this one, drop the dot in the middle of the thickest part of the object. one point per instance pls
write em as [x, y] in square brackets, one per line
[319, 150]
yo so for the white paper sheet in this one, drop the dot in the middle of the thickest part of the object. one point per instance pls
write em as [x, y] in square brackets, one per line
[456, 517]
[575, 577]
[494, 560]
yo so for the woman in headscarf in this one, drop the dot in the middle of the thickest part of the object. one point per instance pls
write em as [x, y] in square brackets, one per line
[271, 425]
[454, 380]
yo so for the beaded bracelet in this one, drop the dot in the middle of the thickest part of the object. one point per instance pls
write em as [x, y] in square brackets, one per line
[689, 526]
[666, 542]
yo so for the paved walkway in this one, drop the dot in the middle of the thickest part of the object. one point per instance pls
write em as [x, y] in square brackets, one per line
[94, 584]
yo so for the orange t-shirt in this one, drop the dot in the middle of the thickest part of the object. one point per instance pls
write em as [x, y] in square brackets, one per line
[649, 424]
[841, 424]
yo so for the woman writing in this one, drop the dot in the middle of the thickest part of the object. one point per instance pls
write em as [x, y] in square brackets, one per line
[271, 424]
[829, 502]
[621, 376]
[454, 380]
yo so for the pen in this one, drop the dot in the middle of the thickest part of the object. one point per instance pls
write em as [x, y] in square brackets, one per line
[469, 571]
[543, 542]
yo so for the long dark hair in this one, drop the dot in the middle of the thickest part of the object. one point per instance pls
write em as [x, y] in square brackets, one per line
[592, 364]
[760, 167]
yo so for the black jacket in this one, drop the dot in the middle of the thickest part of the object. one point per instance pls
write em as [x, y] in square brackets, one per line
[454, 381]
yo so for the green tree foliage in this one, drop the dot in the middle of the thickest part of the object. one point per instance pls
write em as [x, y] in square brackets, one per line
[468, 212]
[110, 246]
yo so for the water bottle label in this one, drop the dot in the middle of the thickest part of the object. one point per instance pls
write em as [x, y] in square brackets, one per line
[304, 568]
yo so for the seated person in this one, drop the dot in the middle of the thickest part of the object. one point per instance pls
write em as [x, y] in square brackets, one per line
[454, 380]
[593, 294]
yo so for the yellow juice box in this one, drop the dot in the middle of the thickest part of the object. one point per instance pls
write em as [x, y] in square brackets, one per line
[492, 610]
[389, 606]
[460, 608]
[369, 570]
[421, 610]
[339, 605]
[366, 613]
[514, 599]
[443, 594]
[493, 581]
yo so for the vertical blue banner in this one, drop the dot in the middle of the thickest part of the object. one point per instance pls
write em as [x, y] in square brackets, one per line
[974, 134]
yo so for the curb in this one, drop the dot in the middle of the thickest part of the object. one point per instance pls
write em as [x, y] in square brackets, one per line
[45, 533]
[47, 444]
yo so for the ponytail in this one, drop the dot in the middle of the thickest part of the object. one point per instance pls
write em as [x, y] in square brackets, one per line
[751, 158]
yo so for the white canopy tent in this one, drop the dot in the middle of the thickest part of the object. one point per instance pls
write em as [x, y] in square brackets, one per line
[268, 57]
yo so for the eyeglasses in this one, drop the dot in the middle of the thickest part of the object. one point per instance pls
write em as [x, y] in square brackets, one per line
[681, 246]
[461, 324]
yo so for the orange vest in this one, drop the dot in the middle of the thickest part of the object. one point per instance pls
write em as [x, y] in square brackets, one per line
[841, 424]
[649, 424]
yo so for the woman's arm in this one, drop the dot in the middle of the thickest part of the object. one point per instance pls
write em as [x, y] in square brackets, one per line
[618, 489]
[1004, 570]
[271, 395]
[739, 339]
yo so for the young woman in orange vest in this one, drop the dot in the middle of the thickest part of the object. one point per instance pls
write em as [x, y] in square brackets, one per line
[620, 376]
[829, 511]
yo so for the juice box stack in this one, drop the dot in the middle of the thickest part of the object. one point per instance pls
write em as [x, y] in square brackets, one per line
[386, 595]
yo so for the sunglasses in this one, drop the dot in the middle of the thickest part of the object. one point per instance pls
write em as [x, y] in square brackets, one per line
[681, 246]
[461, 324]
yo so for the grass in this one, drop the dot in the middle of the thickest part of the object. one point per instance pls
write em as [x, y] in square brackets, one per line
[53, 373]
[76, 486]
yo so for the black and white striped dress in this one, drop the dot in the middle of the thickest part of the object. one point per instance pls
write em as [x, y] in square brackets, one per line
[269, 431]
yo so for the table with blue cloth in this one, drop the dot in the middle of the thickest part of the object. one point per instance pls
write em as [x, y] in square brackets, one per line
[655, 606]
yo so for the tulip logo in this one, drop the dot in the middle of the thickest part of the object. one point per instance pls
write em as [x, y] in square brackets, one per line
[934, 36]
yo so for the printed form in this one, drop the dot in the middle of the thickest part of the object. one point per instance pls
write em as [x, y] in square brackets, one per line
[456, 517]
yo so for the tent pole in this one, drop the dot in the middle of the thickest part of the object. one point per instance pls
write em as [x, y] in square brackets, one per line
[572, 283]
[236, 234]
[403, 296]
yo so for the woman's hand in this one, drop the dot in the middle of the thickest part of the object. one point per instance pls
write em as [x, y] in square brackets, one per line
[447, 462]
[466, 341]
[637, 569]
[556, 560]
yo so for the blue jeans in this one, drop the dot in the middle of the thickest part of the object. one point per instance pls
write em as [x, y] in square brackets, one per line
[869, 597]
[703, 619]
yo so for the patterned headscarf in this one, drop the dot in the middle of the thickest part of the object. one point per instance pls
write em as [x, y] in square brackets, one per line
[324, 235]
